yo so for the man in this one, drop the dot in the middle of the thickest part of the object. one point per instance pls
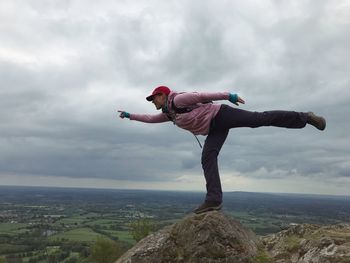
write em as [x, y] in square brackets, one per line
[196, 113]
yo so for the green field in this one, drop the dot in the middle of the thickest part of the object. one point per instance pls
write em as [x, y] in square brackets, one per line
[71, 220]
[12, 228]
[78, 234]
[258, 223]
[124, 236]
[105, 222]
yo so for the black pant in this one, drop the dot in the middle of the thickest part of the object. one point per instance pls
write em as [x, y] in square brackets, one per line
[228, 118]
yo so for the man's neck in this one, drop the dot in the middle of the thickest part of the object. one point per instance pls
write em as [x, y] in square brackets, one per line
[165, 106]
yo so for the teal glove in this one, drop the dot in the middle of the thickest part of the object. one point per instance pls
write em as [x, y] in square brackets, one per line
[233, 98]
[124, 114]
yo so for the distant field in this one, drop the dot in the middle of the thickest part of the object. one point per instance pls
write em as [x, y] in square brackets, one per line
[9, 248]
[71, 220]
[104, 222]
[79, 219]
[124, 236]
[260, 224]
[79, 234]
[85, 219]
[12, 228]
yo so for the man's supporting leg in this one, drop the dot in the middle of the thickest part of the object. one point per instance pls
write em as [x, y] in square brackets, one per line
[211, 149]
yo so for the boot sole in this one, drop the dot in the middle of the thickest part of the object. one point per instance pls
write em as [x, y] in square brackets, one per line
[319, 122]
[323, 124]
[207, 209]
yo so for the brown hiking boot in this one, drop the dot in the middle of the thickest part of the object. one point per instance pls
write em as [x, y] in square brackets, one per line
[317, 121]
[208, 206]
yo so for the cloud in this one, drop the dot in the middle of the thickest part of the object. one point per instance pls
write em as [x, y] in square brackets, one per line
[66, 67]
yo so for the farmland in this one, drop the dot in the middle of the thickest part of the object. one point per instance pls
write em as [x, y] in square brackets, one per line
[61, 224]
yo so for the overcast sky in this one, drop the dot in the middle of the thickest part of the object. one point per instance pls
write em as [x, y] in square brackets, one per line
[66, 67]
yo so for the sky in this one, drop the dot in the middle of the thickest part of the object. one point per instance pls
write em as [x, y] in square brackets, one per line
[66, 67]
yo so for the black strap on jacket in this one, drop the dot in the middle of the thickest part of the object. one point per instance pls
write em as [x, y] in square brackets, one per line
[181, 110]
[186, 109]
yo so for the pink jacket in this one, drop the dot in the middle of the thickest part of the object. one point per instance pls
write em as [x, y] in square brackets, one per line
[196, 121]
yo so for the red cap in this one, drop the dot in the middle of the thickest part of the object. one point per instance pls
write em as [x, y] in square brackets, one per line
[158, 90]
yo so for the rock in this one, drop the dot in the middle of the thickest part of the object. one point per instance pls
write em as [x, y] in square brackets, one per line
[310, 243]
[214, 237]
[210, 237]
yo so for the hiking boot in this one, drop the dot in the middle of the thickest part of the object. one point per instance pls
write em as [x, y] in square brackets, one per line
[208, 206]
[317, 121]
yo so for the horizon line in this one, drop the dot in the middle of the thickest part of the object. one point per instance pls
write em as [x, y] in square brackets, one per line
[167, 190]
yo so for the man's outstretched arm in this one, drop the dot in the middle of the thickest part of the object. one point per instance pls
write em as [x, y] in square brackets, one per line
[148, 118]
[192, 98]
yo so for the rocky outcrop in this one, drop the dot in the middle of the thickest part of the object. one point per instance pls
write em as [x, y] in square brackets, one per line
[310, 243]
[215, 237]
[210, 237]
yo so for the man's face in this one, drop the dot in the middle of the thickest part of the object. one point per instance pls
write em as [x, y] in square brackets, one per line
[159, 100]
